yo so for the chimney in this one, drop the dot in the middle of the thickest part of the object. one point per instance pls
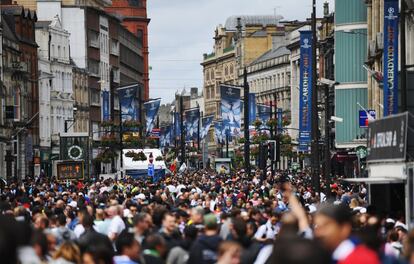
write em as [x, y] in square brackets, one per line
[326, 9]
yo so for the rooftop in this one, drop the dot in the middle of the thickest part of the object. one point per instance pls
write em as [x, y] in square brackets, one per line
[231, 22]
[271, 54]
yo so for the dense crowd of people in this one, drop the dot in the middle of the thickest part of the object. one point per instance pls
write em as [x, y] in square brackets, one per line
[198, 217]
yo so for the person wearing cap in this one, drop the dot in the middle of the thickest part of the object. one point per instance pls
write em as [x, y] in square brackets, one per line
[333, 226]
[204, 249]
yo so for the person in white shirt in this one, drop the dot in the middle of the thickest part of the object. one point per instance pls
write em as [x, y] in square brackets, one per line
[269, 230]
[117, 224]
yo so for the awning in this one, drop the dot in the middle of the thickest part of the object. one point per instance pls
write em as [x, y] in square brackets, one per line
[375, 180]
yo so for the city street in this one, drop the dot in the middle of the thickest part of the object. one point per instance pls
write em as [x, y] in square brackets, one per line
[206, 131]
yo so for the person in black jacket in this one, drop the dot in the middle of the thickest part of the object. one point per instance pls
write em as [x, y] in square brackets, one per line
[204, 249]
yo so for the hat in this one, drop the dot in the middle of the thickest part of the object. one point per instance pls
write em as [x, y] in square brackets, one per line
[401, 226]
[73, 204]
[390, 221]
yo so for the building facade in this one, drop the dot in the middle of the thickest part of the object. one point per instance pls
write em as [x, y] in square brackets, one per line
[57, 114]
[350, 56]
[133, 14]
[22, 21]
[81, 95]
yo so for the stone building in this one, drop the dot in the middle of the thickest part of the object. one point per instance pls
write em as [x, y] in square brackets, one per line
[81, 95]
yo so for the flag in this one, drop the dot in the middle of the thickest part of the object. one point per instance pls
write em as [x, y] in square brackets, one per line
[129, 102]
[151, 111]
[192, 119]
[207, 121]
[231, 109]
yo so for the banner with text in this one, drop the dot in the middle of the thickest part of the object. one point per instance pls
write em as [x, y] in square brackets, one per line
[252, 108]
[106, 109]
[231, 109]
[177, 126]
[192, 118]
[206, 124]
[305, 85]
[151, 111]
[263, 114]
[390, 61]
[129, 102]
[219, 132]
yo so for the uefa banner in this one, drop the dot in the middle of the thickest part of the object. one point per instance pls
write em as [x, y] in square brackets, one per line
[219, 132]
[305, 102]
[129, 102]
[192, 118]
[177, 126]
[263, 113]
[106, 110]
[165, 137]
[390, 61]
[231, 109]
[206, 124]
[279, 120]
[151, 111]
[252, 108]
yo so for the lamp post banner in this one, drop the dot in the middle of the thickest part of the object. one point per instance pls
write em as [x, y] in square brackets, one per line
[305, 102]
[151, 110]
[219, 132]
[106, 112]
[231, 109]
[263, 113]
[192, 117]
[390, 57]
[129, 103]
[252, 108]
[177, 127]
[279, 120]
[206, 124]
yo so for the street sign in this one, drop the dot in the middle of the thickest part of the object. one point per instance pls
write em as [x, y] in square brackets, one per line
[70, 170]
[151, 170]
[363, 117]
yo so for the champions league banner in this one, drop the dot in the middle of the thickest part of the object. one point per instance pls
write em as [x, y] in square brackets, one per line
[129, 103]
[165, 138]
[279, 120]
[263, 113]
[192, 118]
[106, 112]
[177, 126]
[390, 57]
[151, 110]
[305, 102]
[206, 123]
[219, 132]
[252, 108]
[231, 109]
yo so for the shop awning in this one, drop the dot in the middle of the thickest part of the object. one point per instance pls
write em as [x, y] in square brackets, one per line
[376, 180]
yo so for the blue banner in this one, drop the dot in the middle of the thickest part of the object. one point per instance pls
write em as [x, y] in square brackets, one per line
[390, 60]
[192, 119]
[231, 109]
[106, 110]
[165, 137]
[252, 108]
[219, 132]
[151, 111]
[207, 121]
[305, 98]
[129, 102]
[177, 126]
[263, 114]
[279, 120]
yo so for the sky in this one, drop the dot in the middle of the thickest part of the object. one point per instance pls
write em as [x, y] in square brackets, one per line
[180, 32]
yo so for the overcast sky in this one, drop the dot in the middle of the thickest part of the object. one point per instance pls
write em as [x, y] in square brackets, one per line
[180, 32]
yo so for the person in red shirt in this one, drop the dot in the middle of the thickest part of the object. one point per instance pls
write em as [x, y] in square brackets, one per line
[333, 226]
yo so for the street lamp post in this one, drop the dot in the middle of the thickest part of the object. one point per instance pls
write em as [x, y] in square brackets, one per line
[246, 123]
[314, 130]
[182, 130]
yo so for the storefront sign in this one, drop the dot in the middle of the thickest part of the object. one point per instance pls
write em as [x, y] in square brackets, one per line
[388, 139]
[70, 170]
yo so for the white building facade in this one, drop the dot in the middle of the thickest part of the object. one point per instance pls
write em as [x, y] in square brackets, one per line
[56, 92]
